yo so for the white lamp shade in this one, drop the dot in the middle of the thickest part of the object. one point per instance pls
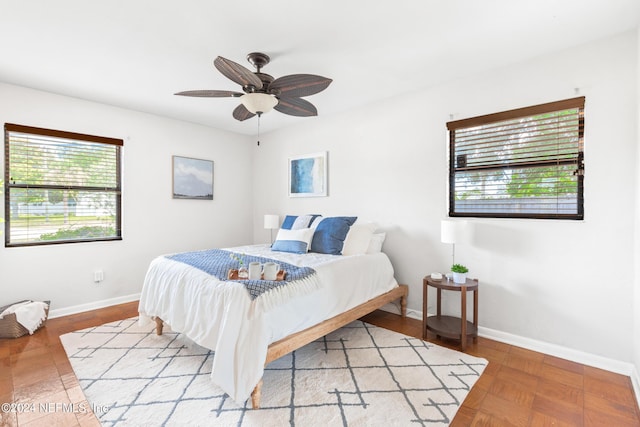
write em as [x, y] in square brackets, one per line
[271, 222]
[452, 231]
[258, 102]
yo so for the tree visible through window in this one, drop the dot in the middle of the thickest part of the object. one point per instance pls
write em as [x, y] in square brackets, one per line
[524, 163]
[60, 187]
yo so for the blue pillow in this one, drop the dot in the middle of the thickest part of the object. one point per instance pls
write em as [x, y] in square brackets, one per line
[288, 222]
[330, 234]
[293, 246]
[295, 241]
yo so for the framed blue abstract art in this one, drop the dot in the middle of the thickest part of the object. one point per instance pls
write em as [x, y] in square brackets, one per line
[308, 175]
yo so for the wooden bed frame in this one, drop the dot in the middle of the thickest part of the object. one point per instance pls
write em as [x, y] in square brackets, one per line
[294, 341]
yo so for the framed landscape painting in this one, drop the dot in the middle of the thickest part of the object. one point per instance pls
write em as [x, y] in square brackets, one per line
[308, 175]
[192, 178]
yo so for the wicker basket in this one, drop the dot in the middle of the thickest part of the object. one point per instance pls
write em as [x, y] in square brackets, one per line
[9, 326]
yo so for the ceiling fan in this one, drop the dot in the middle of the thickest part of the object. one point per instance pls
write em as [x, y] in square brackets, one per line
[262, 92]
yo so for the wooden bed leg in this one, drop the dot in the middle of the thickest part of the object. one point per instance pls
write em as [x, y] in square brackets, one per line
[159, 325]
[403, 302]
[256, 394]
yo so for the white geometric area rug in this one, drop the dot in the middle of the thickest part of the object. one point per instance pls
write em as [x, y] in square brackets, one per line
[359, 375]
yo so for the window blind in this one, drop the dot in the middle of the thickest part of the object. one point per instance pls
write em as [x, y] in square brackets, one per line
[524, 163]
[60, 187]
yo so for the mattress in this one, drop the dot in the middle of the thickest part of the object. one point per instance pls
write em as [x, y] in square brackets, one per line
[221, 316]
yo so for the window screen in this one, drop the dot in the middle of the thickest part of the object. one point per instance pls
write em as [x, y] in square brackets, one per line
[60, 187]
[524, 163]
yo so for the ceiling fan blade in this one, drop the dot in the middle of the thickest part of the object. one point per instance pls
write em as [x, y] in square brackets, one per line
[241, 113]
[237, 73]
[298, 85]
[210, 93]
[296, 107]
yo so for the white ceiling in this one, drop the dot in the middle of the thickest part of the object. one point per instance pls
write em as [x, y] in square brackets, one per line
[136, 53]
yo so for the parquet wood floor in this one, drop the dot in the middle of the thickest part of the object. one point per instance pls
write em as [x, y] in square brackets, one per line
[518, 388]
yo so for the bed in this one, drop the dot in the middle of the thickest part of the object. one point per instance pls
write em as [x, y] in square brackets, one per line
[247, 333]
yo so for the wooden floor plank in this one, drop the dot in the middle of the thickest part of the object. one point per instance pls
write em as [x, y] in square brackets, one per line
[519, 387]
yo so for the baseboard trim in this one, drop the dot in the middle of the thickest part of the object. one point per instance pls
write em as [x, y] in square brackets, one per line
[635, 382]
[394, 307]
[562, 352]
[612, 365]
[59, 312]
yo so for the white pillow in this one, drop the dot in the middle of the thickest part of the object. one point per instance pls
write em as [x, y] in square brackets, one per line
[315, 222]
[375, 244]
[301, 221]
[358, 238]
[296, 241]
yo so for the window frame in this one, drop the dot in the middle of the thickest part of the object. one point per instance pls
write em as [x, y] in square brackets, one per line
[550, 107]
[84, 138]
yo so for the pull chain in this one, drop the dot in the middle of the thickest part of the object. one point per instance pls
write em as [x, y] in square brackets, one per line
[259, 114]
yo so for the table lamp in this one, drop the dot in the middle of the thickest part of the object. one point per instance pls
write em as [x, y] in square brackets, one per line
[452, 232]
[272, 222]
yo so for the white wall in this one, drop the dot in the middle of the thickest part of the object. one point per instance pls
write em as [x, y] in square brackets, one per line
[559, 282]
[554, 281]
[153, 223]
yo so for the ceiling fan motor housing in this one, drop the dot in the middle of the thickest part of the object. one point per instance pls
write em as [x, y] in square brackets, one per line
[266, 81]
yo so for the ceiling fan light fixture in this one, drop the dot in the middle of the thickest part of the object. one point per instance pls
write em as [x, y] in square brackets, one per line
[258, 102]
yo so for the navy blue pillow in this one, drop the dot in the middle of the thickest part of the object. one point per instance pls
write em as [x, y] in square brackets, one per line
[330, 234]
[313, 218]
[289, 220]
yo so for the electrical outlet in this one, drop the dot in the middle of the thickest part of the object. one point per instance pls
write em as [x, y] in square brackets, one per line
[98, 276]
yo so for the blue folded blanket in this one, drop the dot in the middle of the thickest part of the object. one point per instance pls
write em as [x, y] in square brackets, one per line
[218, 262]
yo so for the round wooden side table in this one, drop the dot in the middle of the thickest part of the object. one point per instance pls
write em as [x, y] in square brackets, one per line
[450, 326]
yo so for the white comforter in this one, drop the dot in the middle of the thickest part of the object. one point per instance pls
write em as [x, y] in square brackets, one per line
[220, 315]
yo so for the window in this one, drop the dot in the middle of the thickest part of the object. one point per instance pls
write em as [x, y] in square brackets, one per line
[524, 163]
[60, 187]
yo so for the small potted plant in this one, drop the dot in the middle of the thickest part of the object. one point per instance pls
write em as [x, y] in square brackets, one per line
[459, 273]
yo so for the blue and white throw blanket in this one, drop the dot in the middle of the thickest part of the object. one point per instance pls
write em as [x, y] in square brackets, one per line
[218, 262]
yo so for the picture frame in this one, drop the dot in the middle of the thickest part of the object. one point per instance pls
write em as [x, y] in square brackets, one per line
[308, 175]
[192, 178]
